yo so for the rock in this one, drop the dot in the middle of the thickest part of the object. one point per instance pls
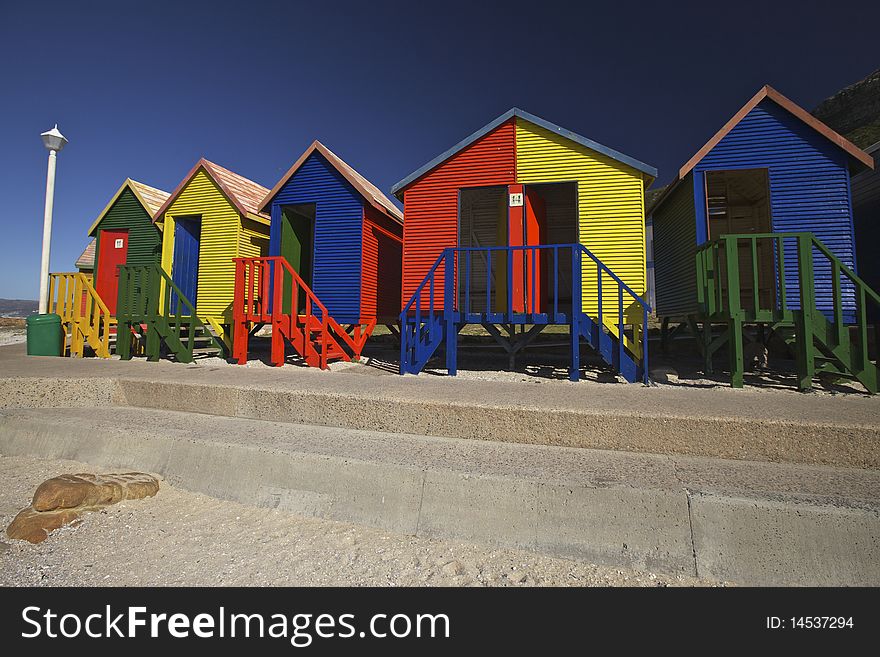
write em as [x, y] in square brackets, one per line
[79, 490]
[755, 356]
[62, 500]
[453, 569]
[661, 373]
[4, 547]
[34, 526]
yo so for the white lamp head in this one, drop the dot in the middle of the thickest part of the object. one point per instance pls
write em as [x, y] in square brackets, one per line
[53, 139]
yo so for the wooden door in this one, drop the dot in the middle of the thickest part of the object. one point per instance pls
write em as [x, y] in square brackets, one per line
[112, 252]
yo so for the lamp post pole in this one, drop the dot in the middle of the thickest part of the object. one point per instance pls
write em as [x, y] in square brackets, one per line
[54, 141]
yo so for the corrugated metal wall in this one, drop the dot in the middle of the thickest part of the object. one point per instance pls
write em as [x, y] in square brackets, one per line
[431, 203]
[611, 207]
[383, 247]
[809, 188]
[221, 230]
[253, 239]
[144, 238]
[675, 241]
[336, 268]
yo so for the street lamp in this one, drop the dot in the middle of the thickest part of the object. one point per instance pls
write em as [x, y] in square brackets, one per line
[54, 141]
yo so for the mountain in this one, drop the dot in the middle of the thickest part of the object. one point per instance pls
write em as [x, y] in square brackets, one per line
[17, 307]
[854, 111]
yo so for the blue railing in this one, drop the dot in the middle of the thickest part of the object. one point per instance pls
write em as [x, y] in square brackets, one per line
[533, 300]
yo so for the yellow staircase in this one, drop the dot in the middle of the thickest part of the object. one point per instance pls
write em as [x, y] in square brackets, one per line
[84, 316]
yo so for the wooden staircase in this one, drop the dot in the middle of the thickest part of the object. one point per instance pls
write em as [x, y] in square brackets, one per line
[443, 304]
[181, 335]
[264, 288]
[85, 320]
[827, 335]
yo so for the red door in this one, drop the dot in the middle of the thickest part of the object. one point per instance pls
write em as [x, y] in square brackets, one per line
[112, 251]
[535, 233]
[527, 227]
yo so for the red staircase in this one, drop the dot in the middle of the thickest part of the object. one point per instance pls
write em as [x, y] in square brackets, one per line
[260, 299]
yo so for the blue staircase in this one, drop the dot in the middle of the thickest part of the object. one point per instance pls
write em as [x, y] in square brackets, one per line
[447, 300]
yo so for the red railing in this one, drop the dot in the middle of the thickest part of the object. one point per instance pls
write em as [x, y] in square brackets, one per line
[260, 299]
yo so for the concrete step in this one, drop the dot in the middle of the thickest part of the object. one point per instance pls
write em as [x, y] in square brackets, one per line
[752, 425]
[752, 523]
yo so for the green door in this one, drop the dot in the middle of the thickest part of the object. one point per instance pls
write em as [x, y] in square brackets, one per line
[297, 247]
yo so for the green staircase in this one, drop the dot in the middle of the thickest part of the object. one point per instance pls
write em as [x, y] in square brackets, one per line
[182, 335]
[824, 324]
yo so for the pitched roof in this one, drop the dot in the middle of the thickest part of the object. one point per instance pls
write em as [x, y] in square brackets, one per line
[766, 93]
[538, 121]
[770, 93]
[363, 186]
[242, 192]
[149, 197]
[87, 259]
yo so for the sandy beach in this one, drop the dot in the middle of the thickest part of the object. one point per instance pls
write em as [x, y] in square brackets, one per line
[179, 538]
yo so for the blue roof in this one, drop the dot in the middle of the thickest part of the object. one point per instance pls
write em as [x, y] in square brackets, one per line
[531, 118]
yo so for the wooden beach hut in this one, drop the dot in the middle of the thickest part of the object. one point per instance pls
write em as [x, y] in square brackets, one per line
[755, 236]
[336, 249]
[521, 225]
[123, 233]
[126, 235]
[185, 302]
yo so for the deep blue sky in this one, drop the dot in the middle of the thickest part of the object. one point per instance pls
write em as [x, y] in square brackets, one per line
[143, 89]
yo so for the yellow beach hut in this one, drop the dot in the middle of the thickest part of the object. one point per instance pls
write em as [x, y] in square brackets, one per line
[212, 217]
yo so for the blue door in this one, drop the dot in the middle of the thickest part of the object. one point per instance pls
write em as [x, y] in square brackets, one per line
[185, 265]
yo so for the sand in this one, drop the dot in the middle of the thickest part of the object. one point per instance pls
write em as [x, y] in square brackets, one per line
[12, 335]
[179, 538]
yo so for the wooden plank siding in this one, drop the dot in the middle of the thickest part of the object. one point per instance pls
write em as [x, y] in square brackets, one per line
[431, 203]
[675, 243]
[611, 208]
[221, 240]
[809, 189]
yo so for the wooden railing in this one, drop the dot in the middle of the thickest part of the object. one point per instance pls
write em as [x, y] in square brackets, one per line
[137, 307]
[831, 322]
[269, 290]
[469, 296]
[85, 318]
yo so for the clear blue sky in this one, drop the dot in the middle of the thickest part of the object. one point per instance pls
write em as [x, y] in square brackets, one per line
[143, 89]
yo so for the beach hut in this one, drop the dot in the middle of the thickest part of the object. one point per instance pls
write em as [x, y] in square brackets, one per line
[336, 248]
[211, 218]
[85, 263]
[124, 233]
[521, 225]
[756, 230]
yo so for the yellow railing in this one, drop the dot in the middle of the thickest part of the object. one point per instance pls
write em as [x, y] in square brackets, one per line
[84, 317]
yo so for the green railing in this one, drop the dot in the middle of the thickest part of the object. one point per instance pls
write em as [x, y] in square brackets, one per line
[831, 331]
[137, 308]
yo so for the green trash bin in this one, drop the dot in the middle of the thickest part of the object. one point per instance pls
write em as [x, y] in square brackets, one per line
[44, 335]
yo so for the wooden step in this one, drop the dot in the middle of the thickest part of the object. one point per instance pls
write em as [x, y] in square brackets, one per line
[205, 350]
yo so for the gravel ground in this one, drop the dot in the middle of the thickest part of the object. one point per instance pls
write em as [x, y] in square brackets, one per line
[178, 538]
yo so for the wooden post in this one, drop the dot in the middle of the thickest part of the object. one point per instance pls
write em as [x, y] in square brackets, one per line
[734, 309]
[449, 313]
[804, 325]
[735, 348]
[577, 308]
[277, 355]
